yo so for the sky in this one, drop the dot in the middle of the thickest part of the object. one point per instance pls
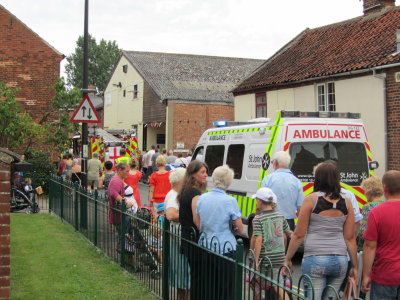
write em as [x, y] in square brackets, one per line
[235, 28]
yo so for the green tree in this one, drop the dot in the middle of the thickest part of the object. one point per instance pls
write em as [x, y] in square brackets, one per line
[64, 102]
[102, 59]
[16, 127]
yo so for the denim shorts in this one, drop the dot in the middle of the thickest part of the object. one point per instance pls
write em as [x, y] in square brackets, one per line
[323, 270]
[384, 292]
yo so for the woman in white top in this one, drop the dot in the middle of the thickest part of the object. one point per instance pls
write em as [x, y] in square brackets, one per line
[179, 272]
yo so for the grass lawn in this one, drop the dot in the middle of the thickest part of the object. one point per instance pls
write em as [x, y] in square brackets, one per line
[50, 261]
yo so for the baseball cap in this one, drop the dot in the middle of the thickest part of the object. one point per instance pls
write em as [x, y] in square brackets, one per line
[265, 194]
[160, 207]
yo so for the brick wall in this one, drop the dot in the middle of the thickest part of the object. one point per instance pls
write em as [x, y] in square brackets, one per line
[191, 120]
[4, 231]
[29, 63]
[393, 119]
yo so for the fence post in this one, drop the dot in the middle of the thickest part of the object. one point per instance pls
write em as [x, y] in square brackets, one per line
[122, 233]
[77, 197]
[62, 199]
[165, 255]
[51, 190]
[96, 197]
[239, 270]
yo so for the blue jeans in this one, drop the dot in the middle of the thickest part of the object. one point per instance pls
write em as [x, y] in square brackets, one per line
[384, 292]
[323, 270]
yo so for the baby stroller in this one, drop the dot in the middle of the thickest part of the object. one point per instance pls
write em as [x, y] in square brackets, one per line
[139, 245]
[20, 200]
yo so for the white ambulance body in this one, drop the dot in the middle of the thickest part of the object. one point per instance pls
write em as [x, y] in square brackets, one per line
[309, 137]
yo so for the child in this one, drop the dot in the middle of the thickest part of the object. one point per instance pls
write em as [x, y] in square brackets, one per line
[106, 178]
[130, 201]
[155, 238]
[270, 233]
[28, 188]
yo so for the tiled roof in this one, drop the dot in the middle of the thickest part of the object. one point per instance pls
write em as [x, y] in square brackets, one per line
[360, 43]
[192, 77]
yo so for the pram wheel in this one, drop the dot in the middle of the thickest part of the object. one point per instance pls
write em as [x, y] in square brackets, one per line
[155, 275]
[35, 208]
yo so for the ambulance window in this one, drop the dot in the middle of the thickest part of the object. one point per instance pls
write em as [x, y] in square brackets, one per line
[305, 156]
[235, 159]
[351, 159]
[199, 154]
[352, 162]
[214, 157]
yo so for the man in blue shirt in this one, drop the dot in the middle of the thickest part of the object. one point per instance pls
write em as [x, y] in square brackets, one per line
[286, 187]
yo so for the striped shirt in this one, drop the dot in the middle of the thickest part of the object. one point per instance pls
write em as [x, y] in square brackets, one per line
[271, 225]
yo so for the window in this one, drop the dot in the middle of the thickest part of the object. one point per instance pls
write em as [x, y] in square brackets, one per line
[199, 154]
[214, 157]
[351, 158]
[124, 93]
[161, 139]
[135, 91]
[326, 97]
[261, 105]
[235, 159]
[125, 68]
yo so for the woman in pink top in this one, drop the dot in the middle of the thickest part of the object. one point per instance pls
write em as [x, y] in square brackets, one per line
[133, 179]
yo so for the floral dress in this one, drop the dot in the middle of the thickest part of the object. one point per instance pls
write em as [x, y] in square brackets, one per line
[365, 212]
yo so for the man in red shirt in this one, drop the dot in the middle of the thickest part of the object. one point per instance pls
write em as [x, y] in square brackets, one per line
[381, 252]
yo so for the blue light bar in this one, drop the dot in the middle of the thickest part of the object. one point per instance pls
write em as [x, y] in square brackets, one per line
[220, 123]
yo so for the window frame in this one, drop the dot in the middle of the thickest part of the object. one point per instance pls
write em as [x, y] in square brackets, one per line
[135, 91]
[326, 101]
[262, 104]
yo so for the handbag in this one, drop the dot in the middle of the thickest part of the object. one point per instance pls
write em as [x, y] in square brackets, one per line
[350, 290]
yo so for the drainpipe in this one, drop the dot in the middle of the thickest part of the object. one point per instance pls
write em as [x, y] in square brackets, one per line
[385, 134]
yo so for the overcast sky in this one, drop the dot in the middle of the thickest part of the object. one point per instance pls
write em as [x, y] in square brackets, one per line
[238, 28]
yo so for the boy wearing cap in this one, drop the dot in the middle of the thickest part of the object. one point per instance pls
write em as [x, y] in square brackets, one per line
[270, 230]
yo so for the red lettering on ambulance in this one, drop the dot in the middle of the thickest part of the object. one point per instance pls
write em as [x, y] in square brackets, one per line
[307, 134]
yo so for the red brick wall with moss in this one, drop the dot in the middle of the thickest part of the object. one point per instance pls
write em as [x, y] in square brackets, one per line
[27, 62]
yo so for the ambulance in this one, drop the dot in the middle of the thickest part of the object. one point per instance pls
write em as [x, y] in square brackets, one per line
[309, 137]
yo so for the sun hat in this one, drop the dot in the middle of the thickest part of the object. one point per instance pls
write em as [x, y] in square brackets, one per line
[265, 194]
[160, 207]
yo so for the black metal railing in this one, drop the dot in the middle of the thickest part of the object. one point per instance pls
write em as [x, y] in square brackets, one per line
[173, 264]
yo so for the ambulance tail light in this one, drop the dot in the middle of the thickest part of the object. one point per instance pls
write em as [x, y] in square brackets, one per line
[319, 114]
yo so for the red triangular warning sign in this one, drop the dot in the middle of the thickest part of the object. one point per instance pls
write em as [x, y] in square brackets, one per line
[85, 112]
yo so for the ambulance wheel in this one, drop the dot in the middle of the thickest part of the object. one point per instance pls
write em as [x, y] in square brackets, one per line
[250, 225]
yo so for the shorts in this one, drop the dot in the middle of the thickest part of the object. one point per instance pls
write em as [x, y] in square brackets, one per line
[93, 183]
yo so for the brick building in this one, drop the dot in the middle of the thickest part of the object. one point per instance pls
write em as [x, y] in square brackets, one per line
[29, 63]
[350, 66]
[170, 99]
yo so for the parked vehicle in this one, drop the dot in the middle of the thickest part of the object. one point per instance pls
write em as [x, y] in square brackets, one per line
[309, 137]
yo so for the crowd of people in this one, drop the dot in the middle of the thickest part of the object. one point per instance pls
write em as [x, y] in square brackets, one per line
[329, 226]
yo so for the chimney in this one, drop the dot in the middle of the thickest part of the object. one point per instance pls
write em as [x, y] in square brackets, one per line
[373, 6]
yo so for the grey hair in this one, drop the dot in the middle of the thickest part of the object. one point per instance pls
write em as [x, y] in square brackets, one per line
[282, 158]
[177, 175]
[222, 177]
